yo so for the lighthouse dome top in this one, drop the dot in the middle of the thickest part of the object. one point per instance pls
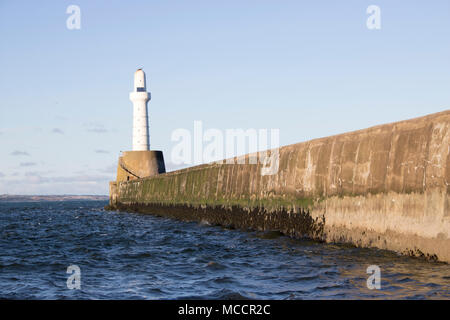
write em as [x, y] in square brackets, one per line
[139, 81]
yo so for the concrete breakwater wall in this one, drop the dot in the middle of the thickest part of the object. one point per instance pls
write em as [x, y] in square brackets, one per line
[385, 186]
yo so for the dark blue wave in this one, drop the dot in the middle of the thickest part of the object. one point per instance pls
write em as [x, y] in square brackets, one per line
[135, 256]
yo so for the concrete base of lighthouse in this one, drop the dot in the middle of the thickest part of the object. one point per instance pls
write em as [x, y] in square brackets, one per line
[140, 164]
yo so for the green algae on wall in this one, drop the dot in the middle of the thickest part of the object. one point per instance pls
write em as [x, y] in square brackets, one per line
[387, 186]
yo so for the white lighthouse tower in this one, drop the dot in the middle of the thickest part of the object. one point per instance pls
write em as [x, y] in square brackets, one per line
[140, 98]
[141, 162]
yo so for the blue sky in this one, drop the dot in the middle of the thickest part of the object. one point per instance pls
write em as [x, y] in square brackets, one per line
[309, 68]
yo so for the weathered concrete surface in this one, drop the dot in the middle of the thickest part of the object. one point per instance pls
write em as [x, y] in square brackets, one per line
[386, 186]
[138, 164]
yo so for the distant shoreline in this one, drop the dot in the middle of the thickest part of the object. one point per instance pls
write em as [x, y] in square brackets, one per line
[30, 198]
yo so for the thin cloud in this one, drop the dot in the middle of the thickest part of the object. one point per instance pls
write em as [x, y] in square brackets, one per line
[31, 173]
[37, 173]
[97, 130]
[80, 178]
[58, 131]
[2, 174]
[58, 117]
[40, 184]
[109, 169]
[101, 151]
[95, 127]
[37, 178]
[19, 153]
[28, 164]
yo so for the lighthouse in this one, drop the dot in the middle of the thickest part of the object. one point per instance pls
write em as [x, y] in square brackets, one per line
[140, 98]
[141, 162]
